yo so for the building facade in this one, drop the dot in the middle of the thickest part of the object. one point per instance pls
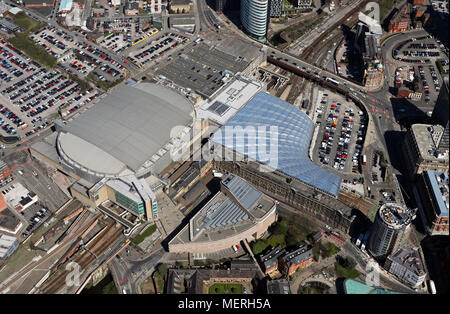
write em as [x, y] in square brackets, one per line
[254, 17]
[400, 22]
[237, 213]
[8, 245]
[440, 111]
[433, 189]
[276, 8]
[390, 228]
[270, 259]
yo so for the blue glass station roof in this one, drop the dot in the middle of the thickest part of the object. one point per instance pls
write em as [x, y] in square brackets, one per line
[284, 144]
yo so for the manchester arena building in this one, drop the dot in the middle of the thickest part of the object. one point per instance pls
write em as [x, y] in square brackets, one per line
[111, 148]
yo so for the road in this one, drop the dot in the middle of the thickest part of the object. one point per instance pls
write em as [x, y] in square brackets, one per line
[129, 274]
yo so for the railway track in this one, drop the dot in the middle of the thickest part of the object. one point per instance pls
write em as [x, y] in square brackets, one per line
[313, 47]
[96, 246]
[50, 255]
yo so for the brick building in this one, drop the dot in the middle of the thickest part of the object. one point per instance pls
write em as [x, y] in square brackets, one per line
[296, 259]
[400, 21]
[270, 260]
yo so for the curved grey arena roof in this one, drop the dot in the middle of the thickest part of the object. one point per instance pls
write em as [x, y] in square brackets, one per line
[131, 124]
[293, 130]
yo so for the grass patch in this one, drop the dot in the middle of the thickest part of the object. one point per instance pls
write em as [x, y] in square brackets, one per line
[441, 67]
[325, 250]
[374, 212]
[293, 32]
[220, 288]
[22, 42]
[16, 261]
[385, 8]
[105, 85]
[343, 272]
[27, 23]
[149, 231]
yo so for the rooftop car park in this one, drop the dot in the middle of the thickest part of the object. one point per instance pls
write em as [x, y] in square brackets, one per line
[156, 48]
[28, 99]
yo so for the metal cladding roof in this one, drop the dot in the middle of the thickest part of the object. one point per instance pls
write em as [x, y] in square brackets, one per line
[131, 124]
[245, 194]
[290, 140]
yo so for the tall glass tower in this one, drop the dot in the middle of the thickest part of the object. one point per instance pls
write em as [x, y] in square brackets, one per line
[254, 17]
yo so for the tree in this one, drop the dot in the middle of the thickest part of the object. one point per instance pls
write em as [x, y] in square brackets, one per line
[162, 270]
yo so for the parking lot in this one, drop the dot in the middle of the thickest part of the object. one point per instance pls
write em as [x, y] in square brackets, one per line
[30, 98]
[156, 48]
[131, 36]
[421, 50]
[339, 141]
[35, 215]
[77, 57]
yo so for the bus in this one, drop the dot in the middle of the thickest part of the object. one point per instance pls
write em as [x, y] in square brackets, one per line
[431, 286]
[332, 81]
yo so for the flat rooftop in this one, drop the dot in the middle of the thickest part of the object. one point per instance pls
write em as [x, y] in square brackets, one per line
[410, 259]
[395, 215]
[229, 101]
[8, 220]
[131, 124]
[427, 137]
[201, 68]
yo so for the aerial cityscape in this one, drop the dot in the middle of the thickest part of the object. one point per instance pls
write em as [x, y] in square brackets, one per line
[224, 147]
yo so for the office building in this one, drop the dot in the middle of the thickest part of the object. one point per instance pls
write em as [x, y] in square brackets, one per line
[433, 189]
[407, 265]
[390, 228]
[424, 149]
[254, 17]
